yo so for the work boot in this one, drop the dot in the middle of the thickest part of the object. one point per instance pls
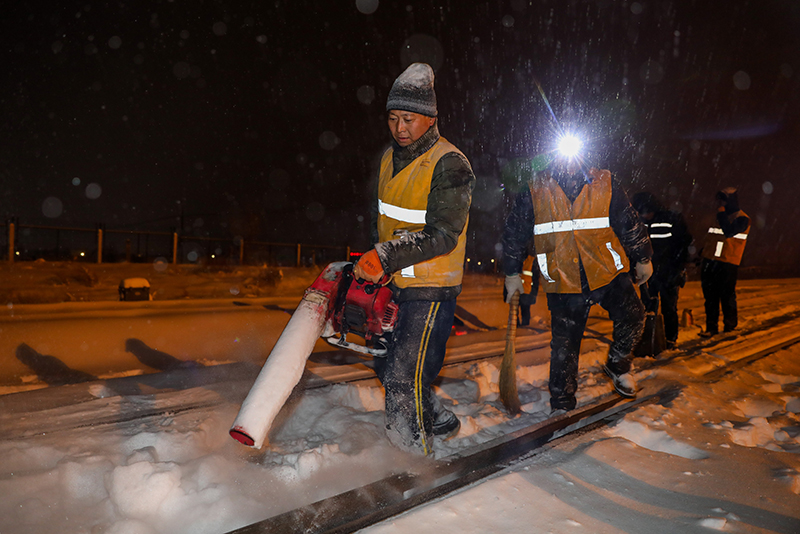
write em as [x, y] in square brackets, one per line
[445, 422]
[623, 383]
[708, 334]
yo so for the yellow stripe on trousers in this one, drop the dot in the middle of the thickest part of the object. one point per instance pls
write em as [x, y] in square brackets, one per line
[423, 349]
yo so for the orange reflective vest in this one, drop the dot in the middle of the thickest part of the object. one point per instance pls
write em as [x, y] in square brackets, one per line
[567, 235]
[725, 249]
[402, 207]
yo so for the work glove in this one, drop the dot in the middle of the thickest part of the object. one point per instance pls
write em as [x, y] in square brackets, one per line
[513, 284]
[642, 272]
[369, 267]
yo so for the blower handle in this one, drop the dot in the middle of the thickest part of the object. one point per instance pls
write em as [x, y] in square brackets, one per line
[370, 288]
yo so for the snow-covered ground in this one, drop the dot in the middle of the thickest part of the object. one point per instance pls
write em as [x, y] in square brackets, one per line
[721, 457]
[146, 453]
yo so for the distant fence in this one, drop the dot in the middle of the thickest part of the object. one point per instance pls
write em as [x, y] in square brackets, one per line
[27, 242]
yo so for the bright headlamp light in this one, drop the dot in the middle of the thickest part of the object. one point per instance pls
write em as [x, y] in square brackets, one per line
[569, 146]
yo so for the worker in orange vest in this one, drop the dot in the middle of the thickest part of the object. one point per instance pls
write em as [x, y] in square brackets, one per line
[722, 253]
[590, 247]
[420, 215]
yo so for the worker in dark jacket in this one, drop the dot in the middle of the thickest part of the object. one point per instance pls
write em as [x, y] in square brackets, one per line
[419, 227]
[587, 239]
[722, 253]
[670, 239]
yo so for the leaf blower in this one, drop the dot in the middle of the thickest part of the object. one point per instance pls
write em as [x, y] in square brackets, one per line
[334, 306]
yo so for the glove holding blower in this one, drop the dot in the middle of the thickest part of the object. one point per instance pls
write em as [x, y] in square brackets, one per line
[369, 267]
[642, 272]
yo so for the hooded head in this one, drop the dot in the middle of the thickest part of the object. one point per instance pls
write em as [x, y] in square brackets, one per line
[413, 91]
[645, 203]
[729, 198]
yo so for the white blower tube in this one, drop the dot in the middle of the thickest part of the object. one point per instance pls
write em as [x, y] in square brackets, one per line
[281, 372]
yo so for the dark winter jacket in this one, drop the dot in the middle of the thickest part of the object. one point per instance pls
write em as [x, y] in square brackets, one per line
[446, 216]
[624, 220]
[670, 238]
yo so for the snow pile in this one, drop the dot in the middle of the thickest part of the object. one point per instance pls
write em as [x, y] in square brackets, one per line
[181, 473]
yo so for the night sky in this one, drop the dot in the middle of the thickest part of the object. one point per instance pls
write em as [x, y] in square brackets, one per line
[266, 119]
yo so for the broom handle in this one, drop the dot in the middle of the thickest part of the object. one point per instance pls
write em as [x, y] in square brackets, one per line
[513, 311]
[508, 376]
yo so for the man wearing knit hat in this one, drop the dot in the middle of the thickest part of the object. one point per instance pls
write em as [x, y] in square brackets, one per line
[419, 224]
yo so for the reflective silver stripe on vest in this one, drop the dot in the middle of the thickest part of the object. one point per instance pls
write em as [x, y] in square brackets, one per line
[718, 250]
[661, 225]
[542, 260]
[617, 259]
[407, 272]
[527, 273]
[719, 231]
[401, 214]
[571, 225]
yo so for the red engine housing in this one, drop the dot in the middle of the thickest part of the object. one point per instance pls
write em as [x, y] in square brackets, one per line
[368, 311]
[355, 306]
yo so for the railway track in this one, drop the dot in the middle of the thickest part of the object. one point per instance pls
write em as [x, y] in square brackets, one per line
[157, 399]
[375, 502]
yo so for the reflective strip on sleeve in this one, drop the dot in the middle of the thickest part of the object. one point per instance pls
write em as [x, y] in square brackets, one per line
[718, 250]
[570, 225]
[719, 231]
[660, 225]
[407, 272]
[617, 259]
[401, 214]
[542, 260]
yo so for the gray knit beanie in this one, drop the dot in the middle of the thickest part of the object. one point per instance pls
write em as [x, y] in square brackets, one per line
[413, 91]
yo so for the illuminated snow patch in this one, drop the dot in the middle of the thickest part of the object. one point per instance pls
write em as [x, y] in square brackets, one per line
[756, 407]
[654, 440]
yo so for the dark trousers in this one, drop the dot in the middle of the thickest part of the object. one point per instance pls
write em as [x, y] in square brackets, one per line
[568, 316]
[718, 280]
[413, 361]
[667, 294]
